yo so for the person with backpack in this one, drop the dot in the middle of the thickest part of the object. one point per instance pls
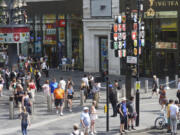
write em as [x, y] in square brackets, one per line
[122, 110]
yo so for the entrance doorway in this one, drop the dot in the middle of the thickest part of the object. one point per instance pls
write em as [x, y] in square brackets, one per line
[103, 51]
[165, 63]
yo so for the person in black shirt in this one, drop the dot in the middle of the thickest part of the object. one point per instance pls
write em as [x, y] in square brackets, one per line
[154, 87]
[7, 78]
[113, 99]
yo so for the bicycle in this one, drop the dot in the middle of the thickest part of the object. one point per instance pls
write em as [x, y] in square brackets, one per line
[161, 121]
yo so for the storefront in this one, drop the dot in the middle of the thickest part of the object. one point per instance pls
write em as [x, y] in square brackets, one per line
[160, 55]
[56, 31]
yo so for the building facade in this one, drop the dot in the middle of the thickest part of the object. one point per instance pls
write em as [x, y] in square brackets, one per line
[55, 31]
[97, 20]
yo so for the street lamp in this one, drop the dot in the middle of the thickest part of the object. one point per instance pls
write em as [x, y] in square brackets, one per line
[13, 12]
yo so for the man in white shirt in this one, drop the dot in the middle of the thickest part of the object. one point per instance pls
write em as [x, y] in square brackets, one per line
[174, 110]
[85, 120]
[62, 82]
[85, 80]
[64, 63]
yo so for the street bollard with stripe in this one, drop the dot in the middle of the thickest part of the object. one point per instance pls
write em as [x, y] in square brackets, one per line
[11, 108]
[82, 97]
[157, 80]
[167, 82]
[176, 79]
[146, 86]
[123, 90]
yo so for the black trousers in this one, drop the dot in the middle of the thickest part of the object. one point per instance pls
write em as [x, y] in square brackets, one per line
[38, 85]
[114, 107]
[7, 83]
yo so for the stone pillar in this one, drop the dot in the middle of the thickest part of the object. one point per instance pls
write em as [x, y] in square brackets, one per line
[49, 103]
[176, 80]
[167, 82]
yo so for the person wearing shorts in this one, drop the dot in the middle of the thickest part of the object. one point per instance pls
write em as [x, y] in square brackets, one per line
[70, 92]
[123, 115]
[59, 99]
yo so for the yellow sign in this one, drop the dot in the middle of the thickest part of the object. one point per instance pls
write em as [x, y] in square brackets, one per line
[105, 108]
[138, 85]
[166, 3]
[150, 11]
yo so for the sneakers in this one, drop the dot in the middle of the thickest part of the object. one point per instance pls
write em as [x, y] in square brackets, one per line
[57, 111]
[61, 114]
[70, 110]
[91, 133]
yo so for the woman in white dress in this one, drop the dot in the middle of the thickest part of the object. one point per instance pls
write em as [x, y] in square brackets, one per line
[93, 117]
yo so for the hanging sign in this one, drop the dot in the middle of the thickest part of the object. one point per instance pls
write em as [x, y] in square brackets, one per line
[14, 35]
[131, 60]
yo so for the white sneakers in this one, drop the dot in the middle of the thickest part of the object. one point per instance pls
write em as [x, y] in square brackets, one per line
[57, 111]
[61, 114]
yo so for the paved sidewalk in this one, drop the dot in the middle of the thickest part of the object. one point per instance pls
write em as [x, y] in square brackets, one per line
[48, 123]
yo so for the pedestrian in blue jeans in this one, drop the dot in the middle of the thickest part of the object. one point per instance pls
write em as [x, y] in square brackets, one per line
[25, 121]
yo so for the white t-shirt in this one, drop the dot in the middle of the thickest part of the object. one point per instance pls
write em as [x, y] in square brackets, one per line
[86, 119]
[173, 110]
[43, 66]
[46, 89]
[85, 80]
[64, 60]
[63, 84]
[77, 132]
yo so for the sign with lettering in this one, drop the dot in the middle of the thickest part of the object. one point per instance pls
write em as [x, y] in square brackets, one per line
[14, 35]
[166, 3]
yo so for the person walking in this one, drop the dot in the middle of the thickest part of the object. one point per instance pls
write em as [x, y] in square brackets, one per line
[70, 92]
[25, 121]
[123, 115]
[168, 115]
[53, 85]
[93, 116]
[46, 88]
[131, 113]
[154, 86]
[162, 97]
[113, 99]
[59, 99]
[26, 102]
[178, 91]
[76, 130]
[95, 91]
[174, 110]
[7, 78]
[62, 82]
[38, 79]
[31, 89]
[85, 120]
[1, 86]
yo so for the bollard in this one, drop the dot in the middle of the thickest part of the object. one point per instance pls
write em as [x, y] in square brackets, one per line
[123, 90]
[146, 86]
[49, 103]
[32, 108]
[176, 79]
[167, 82]
[157, 81]
[11, 108]
[82, 97]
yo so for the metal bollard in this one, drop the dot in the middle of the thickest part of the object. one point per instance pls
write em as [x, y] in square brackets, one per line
[49, 103]
[167, 82]
[176, 79]
[118, 95]
[123, 90]
[82, 97]
[146, 86]
[32, 108]
[11, 108]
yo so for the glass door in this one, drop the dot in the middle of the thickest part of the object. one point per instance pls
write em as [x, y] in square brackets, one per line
[103, 47]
